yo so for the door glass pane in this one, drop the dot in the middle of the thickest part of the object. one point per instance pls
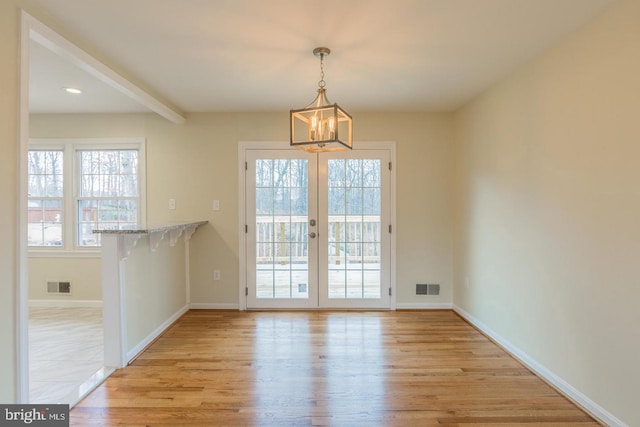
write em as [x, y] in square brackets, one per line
[354, 189]
[282, 264]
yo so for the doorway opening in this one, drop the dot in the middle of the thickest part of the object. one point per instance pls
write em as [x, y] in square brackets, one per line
[34, 34]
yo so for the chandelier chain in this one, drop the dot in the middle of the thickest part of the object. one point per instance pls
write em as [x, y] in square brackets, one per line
[321, 83]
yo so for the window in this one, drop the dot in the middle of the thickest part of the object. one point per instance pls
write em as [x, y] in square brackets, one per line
[45, 187]
[77, 186]
[108, 192]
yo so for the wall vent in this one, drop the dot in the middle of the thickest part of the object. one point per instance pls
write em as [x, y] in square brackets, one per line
[59, 288]
[427, 289]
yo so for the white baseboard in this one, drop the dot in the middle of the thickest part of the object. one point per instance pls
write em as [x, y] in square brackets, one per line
[424, 306]
[57, 303]
[212, 306]
[400, 306]
[567, 389]
[131, 354]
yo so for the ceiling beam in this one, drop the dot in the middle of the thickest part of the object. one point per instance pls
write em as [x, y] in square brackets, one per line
[47, 37]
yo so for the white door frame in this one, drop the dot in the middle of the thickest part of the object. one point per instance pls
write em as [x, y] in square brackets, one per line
[243, 146]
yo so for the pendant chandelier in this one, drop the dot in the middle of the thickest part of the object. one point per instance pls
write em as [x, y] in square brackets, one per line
[321, 126]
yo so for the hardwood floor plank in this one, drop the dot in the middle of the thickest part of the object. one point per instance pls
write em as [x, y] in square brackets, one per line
[427, 368]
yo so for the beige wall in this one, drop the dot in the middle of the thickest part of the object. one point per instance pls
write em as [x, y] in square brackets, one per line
[548, 206]
[424, 198]
[196, 162]
[83, 273]
[9, 88]
[155, 289]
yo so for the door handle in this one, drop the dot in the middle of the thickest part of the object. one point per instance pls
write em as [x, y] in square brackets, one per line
[312, 234]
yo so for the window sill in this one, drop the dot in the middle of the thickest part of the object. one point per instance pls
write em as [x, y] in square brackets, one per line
[48, 253]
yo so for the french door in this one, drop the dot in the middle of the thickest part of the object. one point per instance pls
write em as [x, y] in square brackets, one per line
[317, 229]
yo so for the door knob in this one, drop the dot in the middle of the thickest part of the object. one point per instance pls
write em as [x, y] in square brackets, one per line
[312, 235]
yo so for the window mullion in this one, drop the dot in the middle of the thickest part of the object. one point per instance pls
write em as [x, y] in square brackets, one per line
[69, 195]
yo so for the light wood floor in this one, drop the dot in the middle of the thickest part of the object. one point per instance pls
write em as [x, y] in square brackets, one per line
[417, 368]
[65, 351]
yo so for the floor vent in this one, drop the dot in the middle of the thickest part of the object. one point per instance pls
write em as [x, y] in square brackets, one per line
[59, 287]
[427, 289]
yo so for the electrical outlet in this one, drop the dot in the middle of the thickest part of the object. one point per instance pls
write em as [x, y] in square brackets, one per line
[216, 205]
[172, 204]
[216, 274]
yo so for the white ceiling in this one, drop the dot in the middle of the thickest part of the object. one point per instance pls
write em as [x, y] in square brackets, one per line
[50, 74]
[250, 55]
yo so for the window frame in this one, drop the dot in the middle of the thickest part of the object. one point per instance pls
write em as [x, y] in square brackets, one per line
[71, 188]
[62, 199]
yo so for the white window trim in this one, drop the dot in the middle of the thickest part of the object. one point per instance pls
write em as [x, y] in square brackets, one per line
[70, 146]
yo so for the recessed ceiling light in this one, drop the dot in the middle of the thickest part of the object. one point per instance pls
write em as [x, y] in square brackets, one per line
[72, 90]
